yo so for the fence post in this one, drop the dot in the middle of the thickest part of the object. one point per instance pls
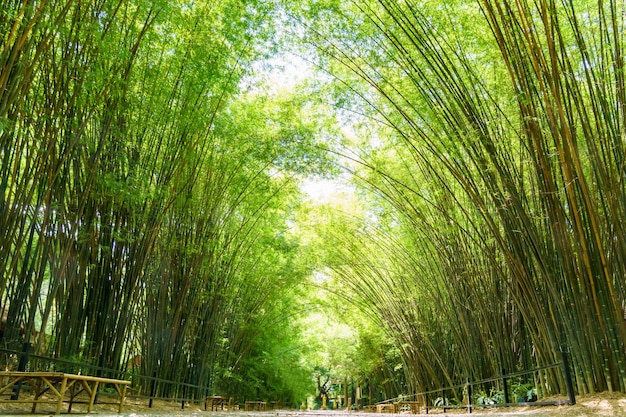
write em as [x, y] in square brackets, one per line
[568, 378]
[469, 396]
[443, 401]
[505, 387]
[21, 367]
[153, 389]
[182, 402]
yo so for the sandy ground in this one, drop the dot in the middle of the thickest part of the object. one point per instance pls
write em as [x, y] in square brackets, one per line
[587, 406]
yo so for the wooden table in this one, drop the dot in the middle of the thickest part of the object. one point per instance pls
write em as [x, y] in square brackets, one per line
[60, 384]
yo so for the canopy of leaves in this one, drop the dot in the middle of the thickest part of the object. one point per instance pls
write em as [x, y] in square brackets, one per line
[145, 197]
[497, 158]
[150, 208]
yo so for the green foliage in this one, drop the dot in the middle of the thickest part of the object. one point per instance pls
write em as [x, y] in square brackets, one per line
[524, 392]
[493, 158]
[146, 202]
[491, 398]
[273, 369]
[149, 200]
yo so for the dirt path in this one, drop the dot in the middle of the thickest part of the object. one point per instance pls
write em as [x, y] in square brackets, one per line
[587, 406]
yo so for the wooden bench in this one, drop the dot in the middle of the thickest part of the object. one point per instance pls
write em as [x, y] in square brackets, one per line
[217, 403]
[412, 407]
[60, 386]
[385, 408]
[254, 406]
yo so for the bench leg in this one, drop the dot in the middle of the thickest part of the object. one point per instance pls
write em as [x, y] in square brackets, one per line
[92, 396]
[72, 393]
[61, 395]
[37, 394]
[122, 396]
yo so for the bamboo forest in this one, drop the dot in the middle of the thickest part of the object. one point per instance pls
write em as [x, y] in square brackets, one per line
[301, 200]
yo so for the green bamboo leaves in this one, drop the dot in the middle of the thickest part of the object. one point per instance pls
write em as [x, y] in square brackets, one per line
[144, 199]
[502, 162]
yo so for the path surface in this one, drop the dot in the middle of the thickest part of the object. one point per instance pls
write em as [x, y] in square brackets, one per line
[587, 406]
[543, 412]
